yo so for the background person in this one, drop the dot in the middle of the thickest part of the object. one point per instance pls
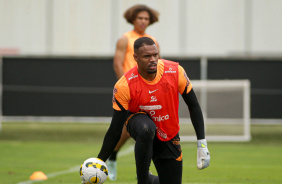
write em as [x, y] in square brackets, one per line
[140, 16]
[146, 98]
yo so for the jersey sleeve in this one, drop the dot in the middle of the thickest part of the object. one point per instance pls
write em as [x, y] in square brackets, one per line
[121, 94]
[183, 81]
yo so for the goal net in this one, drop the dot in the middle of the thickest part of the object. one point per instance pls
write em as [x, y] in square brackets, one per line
[226, 109]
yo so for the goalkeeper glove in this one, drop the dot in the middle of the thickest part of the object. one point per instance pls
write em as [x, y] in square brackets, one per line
[203, 155]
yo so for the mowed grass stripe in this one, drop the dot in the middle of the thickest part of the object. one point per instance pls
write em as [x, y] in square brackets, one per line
[55, 147]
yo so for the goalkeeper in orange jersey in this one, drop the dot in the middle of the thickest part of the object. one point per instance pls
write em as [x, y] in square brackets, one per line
[146, 98]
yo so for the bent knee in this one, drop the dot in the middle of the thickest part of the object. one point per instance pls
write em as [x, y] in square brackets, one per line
[147, 131]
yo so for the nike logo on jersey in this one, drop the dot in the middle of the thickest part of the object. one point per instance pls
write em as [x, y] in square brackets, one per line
[150, 92]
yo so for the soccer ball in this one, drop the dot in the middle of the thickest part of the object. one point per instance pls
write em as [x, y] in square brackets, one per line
[93, 170]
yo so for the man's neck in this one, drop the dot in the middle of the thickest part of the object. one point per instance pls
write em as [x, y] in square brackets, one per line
[139, 32]
[148, 76]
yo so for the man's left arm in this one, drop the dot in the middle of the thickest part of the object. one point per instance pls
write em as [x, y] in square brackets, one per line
[203, 155]
[195, 113]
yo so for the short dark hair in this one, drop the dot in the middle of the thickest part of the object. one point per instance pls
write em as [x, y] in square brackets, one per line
[131, 13]
[141, 42]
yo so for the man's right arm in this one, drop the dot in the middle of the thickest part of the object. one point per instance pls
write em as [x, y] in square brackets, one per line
[119, 56]
[121, 97]
[113, 134]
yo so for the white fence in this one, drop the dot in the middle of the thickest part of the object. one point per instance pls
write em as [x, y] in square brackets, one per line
[185, 27]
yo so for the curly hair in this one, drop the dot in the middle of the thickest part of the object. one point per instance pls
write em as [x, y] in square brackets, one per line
[131, 13]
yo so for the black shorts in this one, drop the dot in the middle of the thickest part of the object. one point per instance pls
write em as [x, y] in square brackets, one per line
[167, 150]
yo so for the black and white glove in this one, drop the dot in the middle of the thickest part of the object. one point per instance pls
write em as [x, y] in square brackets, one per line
[203, 154]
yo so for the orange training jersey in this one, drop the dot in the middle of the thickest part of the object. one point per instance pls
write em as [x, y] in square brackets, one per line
[129, 61]
[159, 100]
[171, 78]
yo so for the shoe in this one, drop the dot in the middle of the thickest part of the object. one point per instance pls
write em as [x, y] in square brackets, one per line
[112, 168]
[153, 179]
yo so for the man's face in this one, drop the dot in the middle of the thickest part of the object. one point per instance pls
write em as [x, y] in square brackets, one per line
[142, 21]
[147, 59]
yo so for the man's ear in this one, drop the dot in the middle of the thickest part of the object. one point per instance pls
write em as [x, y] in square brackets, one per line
[135, 57]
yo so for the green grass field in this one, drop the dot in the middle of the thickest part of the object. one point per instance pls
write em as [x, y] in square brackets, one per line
[58, 149]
